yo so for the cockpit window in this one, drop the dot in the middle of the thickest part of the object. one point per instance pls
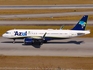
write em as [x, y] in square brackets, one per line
[7, 32]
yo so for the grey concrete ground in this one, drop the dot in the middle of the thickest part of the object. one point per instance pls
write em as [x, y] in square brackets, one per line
[40, 22]
[51, 15]
[46, 6]
[80, 47]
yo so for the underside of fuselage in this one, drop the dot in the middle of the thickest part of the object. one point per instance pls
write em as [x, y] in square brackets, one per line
[46, 38]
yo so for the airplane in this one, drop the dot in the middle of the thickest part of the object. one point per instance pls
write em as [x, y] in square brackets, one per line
[40, 36]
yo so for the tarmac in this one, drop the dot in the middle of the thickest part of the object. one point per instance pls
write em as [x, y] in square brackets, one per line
[50, 15]
[75, 47]
[77, 6]
[42, 22]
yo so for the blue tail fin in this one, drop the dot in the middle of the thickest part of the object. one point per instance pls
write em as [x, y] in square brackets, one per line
[81, 25]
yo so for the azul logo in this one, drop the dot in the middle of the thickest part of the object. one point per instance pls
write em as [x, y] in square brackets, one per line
[20, 33]
[82, 23]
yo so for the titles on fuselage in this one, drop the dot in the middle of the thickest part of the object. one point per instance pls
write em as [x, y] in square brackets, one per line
[17, 33]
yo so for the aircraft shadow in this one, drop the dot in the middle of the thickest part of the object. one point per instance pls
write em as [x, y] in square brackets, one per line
[12, 42]
[39, 45]
[68, 42]
[34, 45]
[21, 42]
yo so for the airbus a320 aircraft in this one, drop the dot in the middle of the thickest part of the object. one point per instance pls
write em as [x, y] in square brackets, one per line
[40, 36]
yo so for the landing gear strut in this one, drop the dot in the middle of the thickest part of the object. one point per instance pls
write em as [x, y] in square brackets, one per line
[13, 40]
[45, 41]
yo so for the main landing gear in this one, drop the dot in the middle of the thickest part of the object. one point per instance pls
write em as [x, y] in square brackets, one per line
[45, 41]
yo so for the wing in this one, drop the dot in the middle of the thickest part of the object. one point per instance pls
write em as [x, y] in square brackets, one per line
[35, 39]
[38, 37]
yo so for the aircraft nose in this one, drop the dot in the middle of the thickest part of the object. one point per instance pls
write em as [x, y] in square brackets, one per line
[3, 35]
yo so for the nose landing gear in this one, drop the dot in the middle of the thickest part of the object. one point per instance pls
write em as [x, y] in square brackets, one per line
[13, 40]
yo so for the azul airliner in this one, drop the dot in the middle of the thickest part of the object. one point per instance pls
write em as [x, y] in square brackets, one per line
[40, 36]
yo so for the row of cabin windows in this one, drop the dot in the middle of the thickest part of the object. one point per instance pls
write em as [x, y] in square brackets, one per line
[49, 33]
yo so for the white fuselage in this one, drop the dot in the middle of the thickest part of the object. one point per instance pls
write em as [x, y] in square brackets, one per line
[22, 33]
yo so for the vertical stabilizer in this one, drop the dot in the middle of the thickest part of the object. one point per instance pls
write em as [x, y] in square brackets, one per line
[81, 25]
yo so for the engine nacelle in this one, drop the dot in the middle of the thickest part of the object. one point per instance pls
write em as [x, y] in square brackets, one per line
[28, 40]
[48, 39]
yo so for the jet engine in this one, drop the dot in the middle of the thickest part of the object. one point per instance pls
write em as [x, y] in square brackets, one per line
[28, 40]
